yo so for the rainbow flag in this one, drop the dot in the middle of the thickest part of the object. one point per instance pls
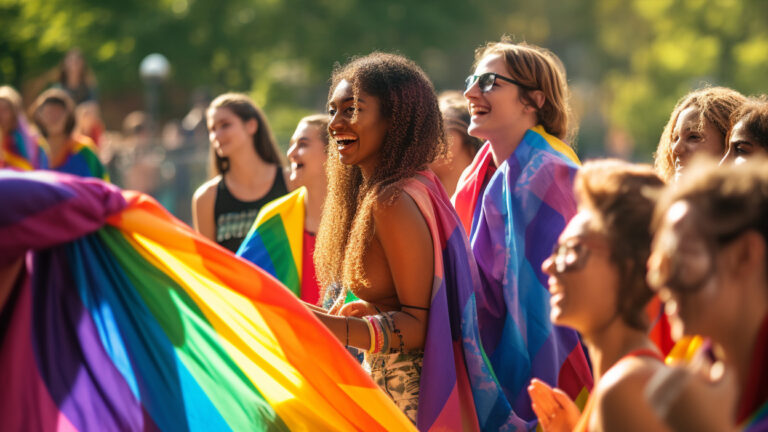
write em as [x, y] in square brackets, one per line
[516, 214]
[21, 149]
[275, 240]
[123, 318]
[458, 390]
[81, 160]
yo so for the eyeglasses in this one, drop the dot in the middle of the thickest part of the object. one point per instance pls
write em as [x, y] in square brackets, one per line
[486, 81]
[572, 256]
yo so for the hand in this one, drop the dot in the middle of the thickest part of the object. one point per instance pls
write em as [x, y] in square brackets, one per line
[555, 410]
[358, 309]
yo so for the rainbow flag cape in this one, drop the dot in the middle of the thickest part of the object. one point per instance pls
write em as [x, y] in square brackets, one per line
[21, 149]
[81, 160]
[516, 215]
[275, 240]
[458, 388]
[123, 318]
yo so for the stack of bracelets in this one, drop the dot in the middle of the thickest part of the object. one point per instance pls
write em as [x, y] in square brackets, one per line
[380, 328]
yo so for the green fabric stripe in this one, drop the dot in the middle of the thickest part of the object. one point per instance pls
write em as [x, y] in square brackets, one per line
[197, 343]
[275, 239]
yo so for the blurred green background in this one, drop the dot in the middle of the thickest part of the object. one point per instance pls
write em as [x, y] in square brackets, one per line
[627, 61]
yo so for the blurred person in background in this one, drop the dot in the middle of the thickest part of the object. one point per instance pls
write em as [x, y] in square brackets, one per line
[708, 261]
[282, 240]
[748, 136]
[461, 146]
[88, 122]
[76, 78]
[698, 125]
[247, 171]
[54, 114]
[597, 278]
[21, 147]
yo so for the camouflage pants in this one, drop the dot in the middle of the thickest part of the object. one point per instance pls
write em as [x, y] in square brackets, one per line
[398, 374]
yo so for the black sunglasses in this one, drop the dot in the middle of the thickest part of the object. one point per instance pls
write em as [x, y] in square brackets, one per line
[486, 81]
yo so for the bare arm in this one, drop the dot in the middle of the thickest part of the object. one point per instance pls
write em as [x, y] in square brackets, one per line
[202, 209]
[407, 243]
[621, 403]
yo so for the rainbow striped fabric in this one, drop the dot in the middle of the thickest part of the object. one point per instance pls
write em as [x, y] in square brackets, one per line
[276, 238]
[21, 149]
[516, 215]
[81, 160]
[123, 318]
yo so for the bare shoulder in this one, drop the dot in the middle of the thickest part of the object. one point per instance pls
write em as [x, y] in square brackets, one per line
[621, 403]
[207, 191]
[396, 209]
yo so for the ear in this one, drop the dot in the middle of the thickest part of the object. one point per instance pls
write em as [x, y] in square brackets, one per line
[537, 96]
[251, 126]
[747, 254]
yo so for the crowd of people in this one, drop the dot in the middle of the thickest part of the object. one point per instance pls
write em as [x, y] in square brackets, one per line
[459, 239]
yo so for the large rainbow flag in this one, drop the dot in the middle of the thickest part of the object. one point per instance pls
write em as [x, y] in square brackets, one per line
[516, 213]
[22, 149]
[275, 240]
[116, 316]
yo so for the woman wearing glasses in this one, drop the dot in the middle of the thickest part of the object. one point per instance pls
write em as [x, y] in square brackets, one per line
[598, 286]
[514, 199]
[709, 259]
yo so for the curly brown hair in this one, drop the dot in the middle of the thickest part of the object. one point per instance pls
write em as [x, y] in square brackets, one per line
[56, 97]
[537, 68]
[715, 105]
[754, 116]
[263, 141]
[623, 195]
[414, 139]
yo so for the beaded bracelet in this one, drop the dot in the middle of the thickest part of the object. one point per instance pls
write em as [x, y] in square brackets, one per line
[372, 333]
[378, 331]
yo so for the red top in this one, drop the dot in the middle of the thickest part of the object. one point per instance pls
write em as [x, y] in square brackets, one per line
[310, 289]
[756, 392]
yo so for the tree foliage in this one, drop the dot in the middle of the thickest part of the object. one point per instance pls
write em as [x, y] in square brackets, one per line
[628, 61]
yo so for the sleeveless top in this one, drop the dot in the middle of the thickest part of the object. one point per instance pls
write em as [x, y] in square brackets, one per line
[233, 218]
[583, 424]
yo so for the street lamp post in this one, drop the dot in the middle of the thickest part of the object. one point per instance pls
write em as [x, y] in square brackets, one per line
[154, 70]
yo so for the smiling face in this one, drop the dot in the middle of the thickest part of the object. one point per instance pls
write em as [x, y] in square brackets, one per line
[53, 117]
[500, 111]
[691, 136]
[357, 127]
[307, 155]
[584, 295]
[228, 133]
[689, 275]
[741, 145]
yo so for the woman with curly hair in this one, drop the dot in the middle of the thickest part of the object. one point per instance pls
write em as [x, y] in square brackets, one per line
[389, 236]
[698, 125]
[514, 200]
[748, 136]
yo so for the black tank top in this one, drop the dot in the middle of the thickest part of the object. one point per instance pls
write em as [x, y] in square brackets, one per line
[234, 218]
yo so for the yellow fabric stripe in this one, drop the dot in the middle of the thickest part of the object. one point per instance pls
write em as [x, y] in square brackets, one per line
[290, 207]
[557, 144]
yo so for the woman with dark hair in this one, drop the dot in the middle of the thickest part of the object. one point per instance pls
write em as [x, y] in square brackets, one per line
[598, 286]
[698, 125]
[248, 171]
[76, 78]
[389, 236]
[54, 114]
[21, 148]
[514, 200]
[461, 146]
[282, 239]
[748, 135]
[709, 257]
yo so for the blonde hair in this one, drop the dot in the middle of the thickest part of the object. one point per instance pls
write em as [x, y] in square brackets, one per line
[537, 68]
[715, 105]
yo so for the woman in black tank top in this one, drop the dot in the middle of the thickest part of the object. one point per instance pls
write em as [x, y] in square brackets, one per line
[247, 166]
